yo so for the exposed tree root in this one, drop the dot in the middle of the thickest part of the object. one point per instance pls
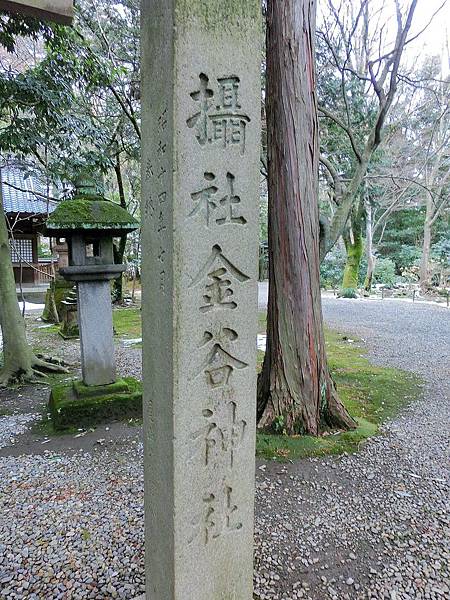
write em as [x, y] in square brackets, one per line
[335, 414]
[34, 373]
[49, 363]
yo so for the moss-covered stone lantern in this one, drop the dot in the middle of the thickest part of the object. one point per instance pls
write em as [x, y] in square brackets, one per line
[89, 223]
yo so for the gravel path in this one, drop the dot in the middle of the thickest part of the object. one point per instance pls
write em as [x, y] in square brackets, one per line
[373, 525]
[368, 526]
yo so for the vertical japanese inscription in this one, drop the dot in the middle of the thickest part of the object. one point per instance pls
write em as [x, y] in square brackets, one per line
[156, 203]
[219, 123]
[200, 134]
[219, 118]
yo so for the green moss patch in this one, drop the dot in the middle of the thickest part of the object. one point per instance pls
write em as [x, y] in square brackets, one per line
[282, 447]
[69, 409]
[128, 322]
[90, 213]
[371, 394]
[91, 391]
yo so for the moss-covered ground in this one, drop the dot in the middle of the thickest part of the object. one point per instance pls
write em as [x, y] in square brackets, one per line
[371, 394]
[127, 322]
[118, 401]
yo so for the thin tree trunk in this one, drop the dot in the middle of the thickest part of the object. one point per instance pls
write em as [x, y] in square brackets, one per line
[19, 361]
[426, 246]
[119, 249]
[353, 243]
[119, 253]
[295, 384]
[17, 355]
[371, 258]
[354, 249]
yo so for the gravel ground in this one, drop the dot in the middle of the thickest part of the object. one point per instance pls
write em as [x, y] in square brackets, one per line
[368, 526]
[376, 524]
[12, 426]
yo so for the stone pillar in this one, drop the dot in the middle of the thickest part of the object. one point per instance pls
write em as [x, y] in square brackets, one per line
[201, 87]
[96, 332]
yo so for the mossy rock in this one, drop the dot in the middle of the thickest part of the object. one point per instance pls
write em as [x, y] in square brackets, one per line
[89, 391]
[59, 289]
[69, 329]
[115, 402]
[347, 293]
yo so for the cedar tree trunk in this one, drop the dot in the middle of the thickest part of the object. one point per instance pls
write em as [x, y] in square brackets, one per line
[295, 384]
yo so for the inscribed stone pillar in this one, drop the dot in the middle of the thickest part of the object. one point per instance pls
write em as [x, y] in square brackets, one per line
[201, 86]
[96, 332]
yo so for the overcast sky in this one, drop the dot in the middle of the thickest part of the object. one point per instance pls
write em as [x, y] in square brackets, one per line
[435, 37]
[432, 41]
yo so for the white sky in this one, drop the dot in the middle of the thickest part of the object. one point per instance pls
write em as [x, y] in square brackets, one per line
[432, 41]
[436, 37]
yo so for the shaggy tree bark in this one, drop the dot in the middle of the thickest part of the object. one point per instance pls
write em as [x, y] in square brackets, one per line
[19, 361]
[295, 385]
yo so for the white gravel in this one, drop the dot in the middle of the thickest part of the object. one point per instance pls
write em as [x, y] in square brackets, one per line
[13, 425]
[369, 526]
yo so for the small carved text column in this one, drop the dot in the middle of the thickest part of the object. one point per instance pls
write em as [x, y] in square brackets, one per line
[201, 86]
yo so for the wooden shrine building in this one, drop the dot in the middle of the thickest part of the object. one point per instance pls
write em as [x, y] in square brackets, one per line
[26, 209]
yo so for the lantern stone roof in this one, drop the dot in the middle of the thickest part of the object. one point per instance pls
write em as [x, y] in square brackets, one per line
[90, 213]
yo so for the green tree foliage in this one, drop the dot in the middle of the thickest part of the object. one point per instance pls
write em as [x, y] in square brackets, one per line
[79, 104]
[78, 109]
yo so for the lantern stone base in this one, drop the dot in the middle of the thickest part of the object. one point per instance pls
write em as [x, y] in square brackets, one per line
[79, 405]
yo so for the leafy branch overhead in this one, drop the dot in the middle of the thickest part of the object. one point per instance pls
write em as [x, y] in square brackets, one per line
[78, 105]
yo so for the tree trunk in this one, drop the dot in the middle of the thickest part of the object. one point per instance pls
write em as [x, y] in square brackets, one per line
[19, 361]
[119, 249]
[426, 246]
[354, 248]
[119, 253]
[348, 201]
[295, 385]
[371, 258]
[354, 251]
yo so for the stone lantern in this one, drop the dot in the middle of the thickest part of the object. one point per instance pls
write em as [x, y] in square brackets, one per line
[89, 223]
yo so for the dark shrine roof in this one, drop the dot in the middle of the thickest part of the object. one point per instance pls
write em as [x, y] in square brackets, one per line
[24, 192]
